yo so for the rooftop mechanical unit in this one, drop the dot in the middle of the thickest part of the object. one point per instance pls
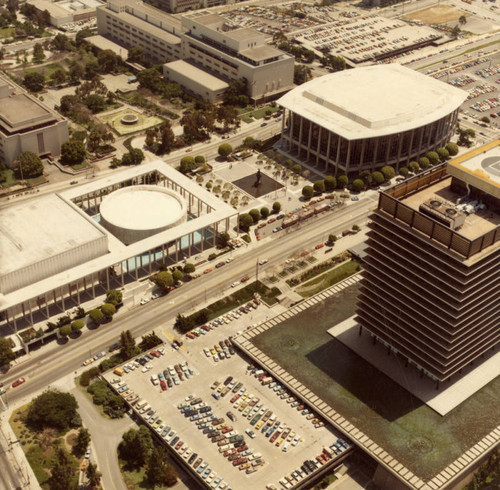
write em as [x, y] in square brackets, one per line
[443, 212]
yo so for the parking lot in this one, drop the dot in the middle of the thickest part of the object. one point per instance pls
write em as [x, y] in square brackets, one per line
[235, 424]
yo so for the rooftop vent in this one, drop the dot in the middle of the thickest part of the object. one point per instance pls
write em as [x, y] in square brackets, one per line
[443, 213]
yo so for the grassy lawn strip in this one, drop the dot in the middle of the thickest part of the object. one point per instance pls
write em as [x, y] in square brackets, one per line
[260, 113]
[239, 298]
[136, 478]
[328, 279]
[39, 448]
[10, 178]
[45, 70]
[6, 32]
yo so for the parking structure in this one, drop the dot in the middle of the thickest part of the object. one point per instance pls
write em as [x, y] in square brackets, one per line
[214, 419]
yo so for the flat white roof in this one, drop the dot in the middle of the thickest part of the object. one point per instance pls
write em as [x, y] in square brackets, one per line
[192, 72]
[33, 231]
[141, 208]
[373, 101]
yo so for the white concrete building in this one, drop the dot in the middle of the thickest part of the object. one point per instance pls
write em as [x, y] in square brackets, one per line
[62, 250]
[66, 11]
[364, 118]
[26, 124]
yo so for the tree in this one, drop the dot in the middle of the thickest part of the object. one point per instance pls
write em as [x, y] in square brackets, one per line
[332, 239]
[433, 157]
[134, 157]
[443, 154]
[108, 60]
[108, 310]
[52, 408]
[276, 207]
[76, 72]
[422, 163]
[225, 150]
[72, 152]
[319, 187]
[264, 212]
[59, 76]
[296, 169]
[177, 275]
[388, 172]
[330, 183]
[378, 177]
[93, 476]
[96, 316]
[38, 54]
[189, 268]
[255, 214]
[82, 442]
[164, 280]
[452, 149]
[95, 102]
[34, 81]
[301, 74]
[462, 20]
[307, 191]
[224, 239]
[136, 54]
[413, 167]
[245, 221]
[77, 325]
[455, 32]
[187, 165]
[6, 353]
[485, 119]
[342, 181]
[65, 331]
[127, 344]
[158, 471]
[136, 446]
[29, 165]
[465, 136]
[61, 43]
[114, 296]
[404, 171]
[357, 185]
[62, 472]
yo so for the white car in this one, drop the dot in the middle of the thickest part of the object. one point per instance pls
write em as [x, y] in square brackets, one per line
[237, 283]
[144, 301]
[263, 261]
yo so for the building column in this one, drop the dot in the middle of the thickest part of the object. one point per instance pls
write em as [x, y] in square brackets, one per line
[375, 151]
[216, 232]
[177, 250]
[309, 138]
[318, 145]
[150, 266]
[62, 298]
[401, 138]
[136, 272]
[31, 312]
[328, 150]
[339, 143]
[410, 149]
[299, 146]
[362, 155]
[388, 151]
[348, 158]
[107, 282]
[78, 287]
[190, 240]
[47, 306]
[203, 234]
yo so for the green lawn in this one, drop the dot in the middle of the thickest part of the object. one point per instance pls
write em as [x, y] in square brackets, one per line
[330, 278]
[80, 166]
[46, 70]
[10, 178]
[6, 32]
[260, 113]
[134, 478]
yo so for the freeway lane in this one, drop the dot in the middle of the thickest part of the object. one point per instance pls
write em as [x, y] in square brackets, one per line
[58, 361]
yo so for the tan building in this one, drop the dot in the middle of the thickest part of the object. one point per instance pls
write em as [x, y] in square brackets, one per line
[232, 53]
[197, 82]
[26, 124]
[176, 6]
[134, 23]
[66, 11]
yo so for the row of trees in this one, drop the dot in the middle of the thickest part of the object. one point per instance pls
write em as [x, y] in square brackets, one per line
[254, 216]
[166, 279]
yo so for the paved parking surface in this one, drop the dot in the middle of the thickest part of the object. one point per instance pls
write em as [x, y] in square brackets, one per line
[207, 371]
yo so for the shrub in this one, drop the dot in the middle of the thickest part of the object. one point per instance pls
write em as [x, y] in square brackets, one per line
[296, 169]
[404, 171]
[108, 310]
[388, 172]
[307, 191]
[225, 150]
[65, 331]
[452, 149]
[264, 212]
[199, 159]
[414, 166]
[319, 187]
[443, 154]
[433, 157]
[245, 221]
[255, 214]
[357, 185]
[342, 181]
[164, 280]
[77, 325]
[378, 177]
[276, 207]
[330, 183]
[52, 408]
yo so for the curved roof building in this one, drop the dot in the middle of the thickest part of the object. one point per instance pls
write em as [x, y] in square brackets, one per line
[368, 117]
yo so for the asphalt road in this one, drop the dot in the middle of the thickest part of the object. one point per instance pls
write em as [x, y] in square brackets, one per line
[48, 366]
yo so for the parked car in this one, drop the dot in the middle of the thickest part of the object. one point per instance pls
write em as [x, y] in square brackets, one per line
[18, 382]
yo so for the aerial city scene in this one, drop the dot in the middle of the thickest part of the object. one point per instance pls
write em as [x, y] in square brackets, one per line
[249, 245]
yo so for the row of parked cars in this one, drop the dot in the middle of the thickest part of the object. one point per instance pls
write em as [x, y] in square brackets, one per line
[224, 319]
[173, 375]
[261, 418]
[220, 351]
[311, 465]
[229, 443]
[284, 394]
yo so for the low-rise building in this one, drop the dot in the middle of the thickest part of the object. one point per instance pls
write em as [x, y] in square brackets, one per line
[27, 124]
[67, 11]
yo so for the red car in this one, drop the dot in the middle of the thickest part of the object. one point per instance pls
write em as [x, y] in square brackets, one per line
[206, 271]
[320, 245]
[163, 385]
[18, 382]
[245, 278]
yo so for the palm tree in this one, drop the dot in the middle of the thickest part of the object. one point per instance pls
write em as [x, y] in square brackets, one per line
[462, 20]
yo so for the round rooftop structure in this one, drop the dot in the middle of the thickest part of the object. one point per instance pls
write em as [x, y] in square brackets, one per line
[134, 213]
